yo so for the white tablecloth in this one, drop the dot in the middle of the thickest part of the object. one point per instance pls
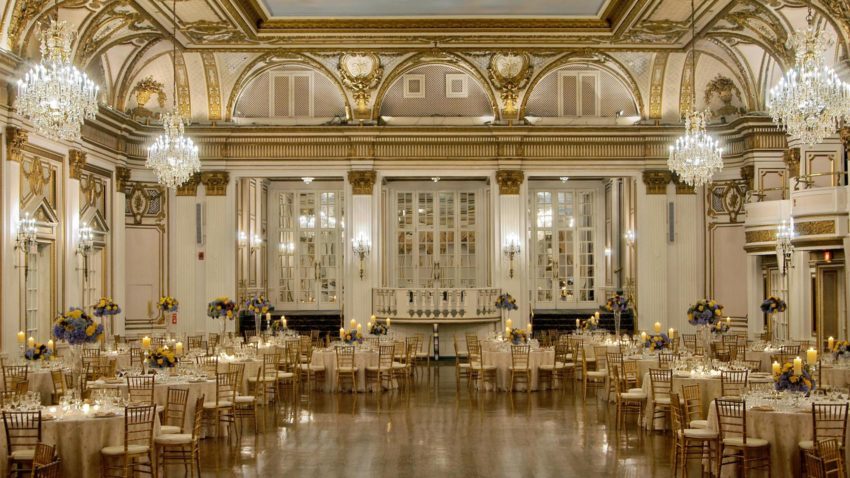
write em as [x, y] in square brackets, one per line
[362, 359]
[160, 394]
[502, 361]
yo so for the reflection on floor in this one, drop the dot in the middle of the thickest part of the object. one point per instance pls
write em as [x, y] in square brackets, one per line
[436, 431]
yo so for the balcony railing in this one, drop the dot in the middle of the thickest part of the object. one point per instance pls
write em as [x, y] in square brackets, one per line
[430, 305]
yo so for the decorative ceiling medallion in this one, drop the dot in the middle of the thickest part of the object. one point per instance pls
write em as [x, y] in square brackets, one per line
[360, 73]
[509, 72]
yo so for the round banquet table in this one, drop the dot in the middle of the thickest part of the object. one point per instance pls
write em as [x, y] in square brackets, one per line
[362, 358]
[837, 377]
[762, 356]
[783, 429]
[78, 441]
[502, 361]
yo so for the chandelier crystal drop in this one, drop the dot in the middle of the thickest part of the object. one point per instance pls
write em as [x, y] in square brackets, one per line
[696, 156]
[811, 100]
[55, 95]
[173, 156]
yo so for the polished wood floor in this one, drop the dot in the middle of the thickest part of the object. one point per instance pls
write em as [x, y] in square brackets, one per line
[436, 431]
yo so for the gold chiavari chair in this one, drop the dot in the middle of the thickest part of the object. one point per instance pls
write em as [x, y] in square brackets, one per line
[213, 340]
[752, 453]
[383, 372]
[689, 443]
[137, 357]
[829, 422]
[59, 387]
[91, 352]
[45, 464]
[266, 384]
[739, 352]
[629, 402]
[480, 373]
[140, 389]
[630, 375]
[790, 349]
[208, 363]
[729, 341]
[311, 372]
[661, 382]
[23, 433]
[666, 360]
[461, 366]
[244, 406]
[345, 367]
[831, 454]
[135, 454]
[692, 396]
[405, 353]
[14, 374]
[174, 415]
[733, 382]
[423, 350]
[470, 340]
[690, 342]
[593, 379]
[290, 373]
[613, 360]
[219, 412]
[195, 342]
[520, 366]
[752, 365]
[182, 448]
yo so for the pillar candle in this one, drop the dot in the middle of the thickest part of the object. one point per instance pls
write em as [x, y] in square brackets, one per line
[353, 323]
[728, 320]
[341, 332]
[670, 332]
[178, 348]
[578, 323]
[31, 342]
[776, 368]
[22, 337]
[268, 317]
[596, 314]
[528, 328]
[509, 323]
[798, 366]
[146, 342]
[373, 319]
[657, 327]
[359, 328]
[830, 342]
[388, 322]
[507, 332]
[283, 322]
[51, 346]
[643, 336]
[811, 356]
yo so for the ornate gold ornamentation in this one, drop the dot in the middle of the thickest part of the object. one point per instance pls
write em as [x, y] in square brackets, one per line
[190, 187]
[362, 182]
[24, 11]
[37, 177]
[726, 198]
[748, 174]
[215, 182]
[726, 90]
[184, 100]
[213, 88]
[656, 180]
[509, 72]
[682, 187]
[15, 140]
[92, 189]
[792, 161]
[360, 72]
[145, 201]
[76, 163]
[146, 88]
[509, 181]
[122, 177]
[686, 89]
[763, 235]
[656, 89]
[845, 137]
[815, 228]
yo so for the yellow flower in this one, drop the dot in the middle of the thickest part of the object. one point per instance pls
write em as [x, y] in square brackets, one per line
[90, 330]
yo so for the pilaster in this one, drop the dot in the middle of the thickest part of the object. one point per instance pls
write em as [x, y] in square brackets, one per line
[220, 242]
[510, 225]
[363, 198]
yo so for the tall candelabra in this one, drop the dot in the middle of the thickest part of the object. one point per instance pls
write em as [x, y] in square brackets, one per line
[784, 254]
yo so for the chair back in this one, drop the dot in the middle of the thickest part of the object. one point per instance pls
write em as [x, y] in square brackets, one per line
[690, 341]
[733, 382]
[661, 381]
[58, 380]
[752, 365]
[470, 340]
[599, 353]
[666, 360]
[198, 419]
[520, 356]
[225, 387]
[13, 374]
[23, 430]
[562, 353]
[138, 425]
[677, 415]
[790, 349]
[831, 455]
[614, 360]
[137, 356]
[474, 349]
[45, 464]
[209, 364]
[213, 340]
[732, 418]
[91, 352]
[175, 407]
[386, 354]
[345, 357]
[630, 373]
[692, 396]
[271, 365]
[195, 342]
[829, 421]
[140, 389]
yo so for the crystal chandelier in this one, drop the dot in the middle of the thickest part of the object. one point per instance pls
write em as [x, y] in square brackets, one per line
[173, 156]
[55, 95]
[811, 100]
[696, 156]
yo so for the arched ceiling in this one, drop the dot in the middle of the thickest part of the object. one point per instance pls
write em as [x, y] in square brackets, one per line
[125, 45]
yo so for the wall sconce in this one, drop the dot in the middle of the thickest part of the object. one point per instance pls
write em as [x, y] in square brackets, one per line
[630, 238]
[511, 249]
[361, 247]
[26, 239]
[256, 243]
[607, 252]
[85, 244]
[287, 247]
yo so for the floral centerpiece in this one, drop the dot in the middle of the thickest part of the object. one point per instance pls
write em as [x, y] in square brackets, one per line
[258, 305]
[506, 302]
[840, 347]
[657, 342]
[38, 352]
[704, 312]
[789, 380]
[168, 304]
[222, 308]
[378, 329]
[352, 337]
[277, 326]
[618, 304]
[76, 327]
[162, 357]
[720, 327]
[591, 324]
[773, 304]
[105, 306]
[518, 336]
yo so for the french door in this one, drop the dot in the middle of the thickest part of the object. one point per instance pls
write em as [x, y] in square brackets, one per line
[307, 224]
[564, 232]
[437, 236]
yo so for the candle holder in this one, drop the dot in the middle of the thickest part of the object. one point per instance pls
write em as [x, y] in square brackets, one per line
[511, 249]
[361, 247]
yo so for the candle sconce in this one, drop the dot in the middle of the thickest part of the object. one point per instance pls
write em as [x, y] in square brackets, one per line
[361, 247]
[511, 249]
[85, 244]
[27, 238]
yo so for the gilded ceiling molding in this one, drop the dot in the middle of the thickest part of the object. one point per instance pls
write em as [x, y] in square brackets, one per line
[122, 177]
[509, 73]
[360, 72]
[215, 182]
[184, 99]
[128, 72]
[15, 140]
[435, 57]
[115, 23]
[23, 12]
[791, 157]
[509, 181]
[213, 88]
[76, 162]
[686, 91]
[656, 180]
[656, 88]
[362, 182]
[190, 187]
[726, 90]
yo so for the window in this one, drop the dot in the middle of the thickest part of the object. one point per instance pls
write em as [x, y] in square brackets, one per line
[291, 93]
[414, 86]
[578, 93]
[457, 85]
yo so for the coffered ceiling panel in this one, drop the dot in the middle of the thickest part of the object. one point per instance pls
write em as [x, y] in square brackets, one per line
[419, 8]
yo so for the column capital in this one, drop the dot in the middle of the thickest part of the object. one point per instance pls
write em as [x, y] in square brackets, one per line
[190, 187]
[509, 181]
[15, 139]
[656, 180]
[681, 186]
[362, 182]
[215, 182]
[792, 161]
[76, 163]
[122, 177]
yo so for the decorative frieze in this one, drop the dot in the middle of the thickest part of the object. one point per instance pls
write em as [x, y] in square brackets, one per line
[656, 180]
[814, 228]
[76, 163]
[15, 140]
[764, 235]
[215, 182]
[122, 177]
[190, 187]
[362, 182]
[509, 181]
